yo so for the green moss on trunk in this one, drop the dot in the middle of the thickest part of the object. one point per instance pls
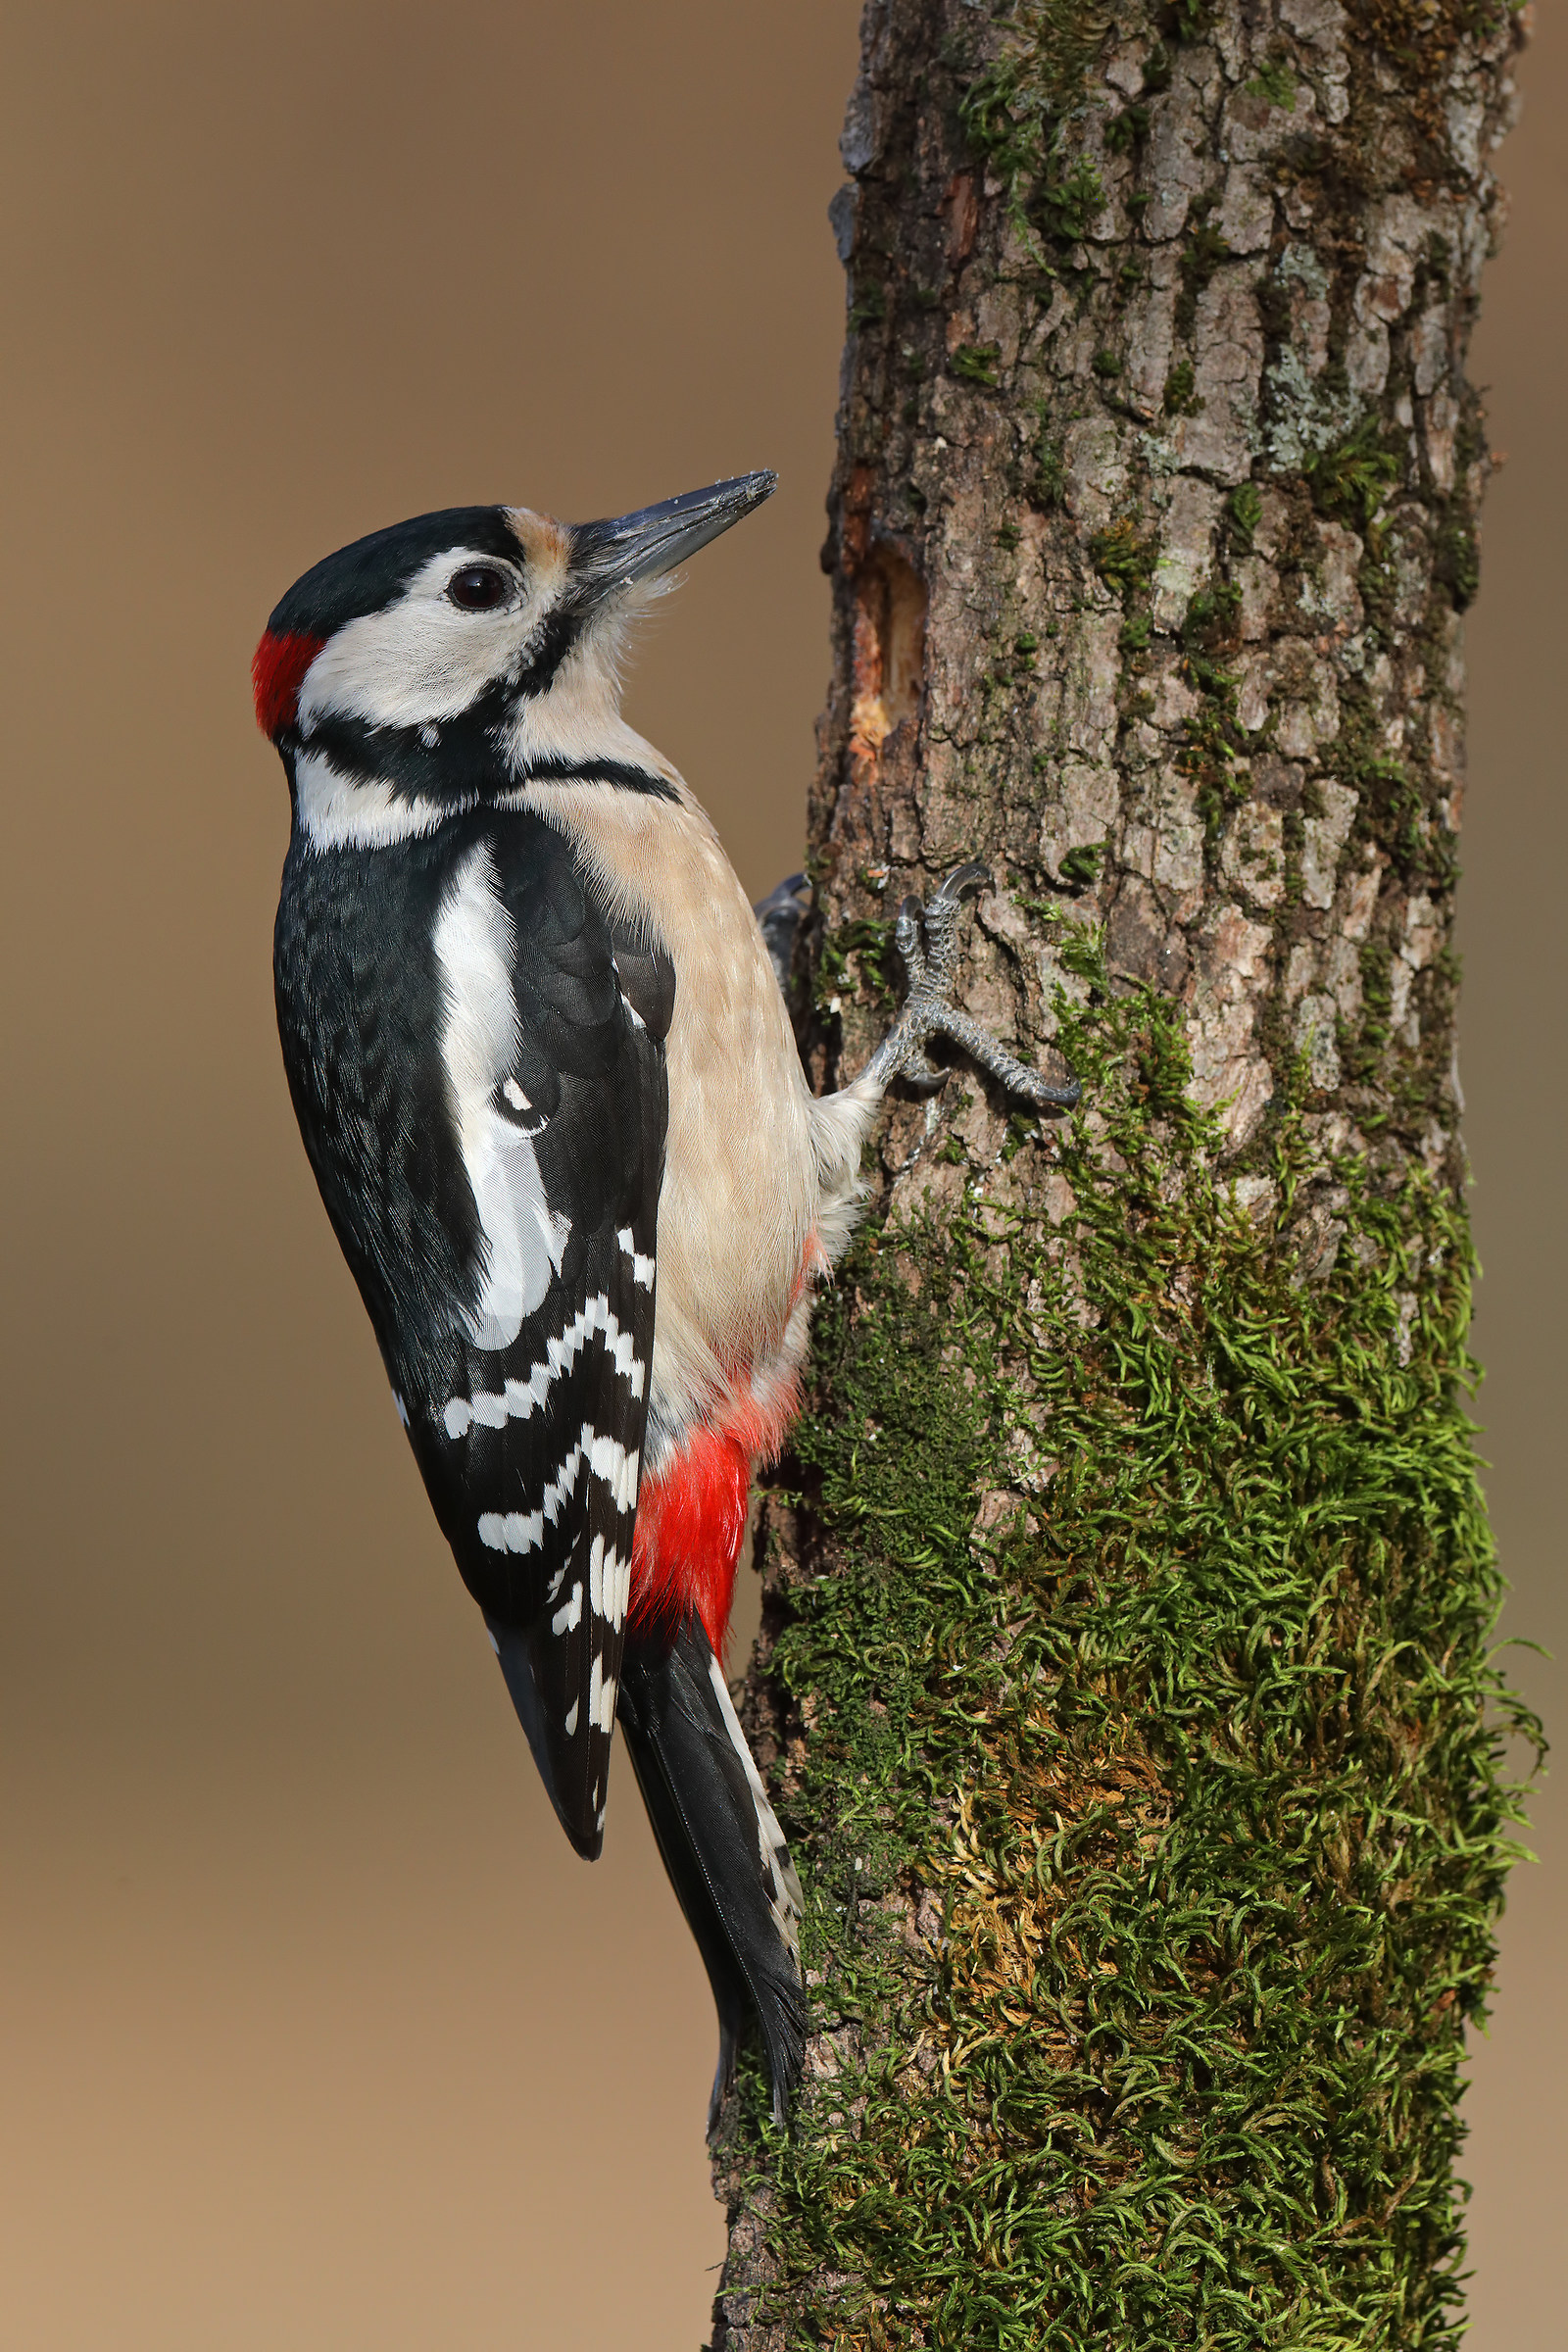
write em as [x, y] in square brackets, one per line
[1156, 1829]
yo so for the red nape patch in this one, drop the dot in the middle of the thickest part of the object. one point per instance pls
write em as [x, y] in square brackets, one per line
[690, 1525]
[277, 672]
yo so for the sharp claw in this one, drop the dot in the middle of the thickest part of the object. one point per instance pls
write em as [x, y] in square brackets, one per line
[963, 878]
[923, 1075]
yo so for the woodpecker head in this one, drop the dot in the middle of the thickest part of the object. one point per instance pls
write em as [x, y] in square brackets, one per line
[470, 649]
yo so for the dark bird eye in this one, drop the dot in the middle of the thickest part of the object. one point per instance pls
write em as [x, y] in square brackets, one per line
[478, 587]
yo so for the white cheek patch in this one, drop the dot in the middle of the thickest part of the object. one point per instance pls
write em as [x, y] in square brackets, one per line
[423, 660]
[524, 1240]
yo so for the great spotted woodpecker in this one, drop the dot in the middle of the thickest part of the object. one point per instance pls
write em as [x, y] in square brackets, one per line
[545, 1076]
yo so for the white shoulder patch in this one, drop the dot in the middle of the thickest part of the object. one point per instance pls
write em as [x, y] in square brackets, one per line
[525, 1240]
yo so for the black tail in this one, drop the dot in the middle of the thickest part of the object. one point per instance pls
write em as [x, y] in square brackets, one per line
[722, 1846]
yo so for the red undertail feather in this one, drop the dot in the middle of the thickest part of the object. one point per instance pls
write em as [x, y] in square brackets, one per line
[690, 1525]
[277, 672]
[691, 1518]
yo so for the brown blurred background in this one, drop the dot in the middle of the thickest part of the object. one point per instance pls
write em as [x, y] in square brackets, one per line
[317, 2034]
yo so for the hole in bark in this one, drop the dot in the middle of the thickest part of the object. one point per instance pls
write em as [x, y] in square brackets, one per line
[888, 645]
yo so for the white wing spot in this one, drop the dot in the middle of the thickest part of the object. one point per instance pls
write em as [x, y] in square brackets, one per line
[566, 1620]
[608, 1583]
[611, 1591]
[571, 1717]
[618, 1469]
[642, 1268]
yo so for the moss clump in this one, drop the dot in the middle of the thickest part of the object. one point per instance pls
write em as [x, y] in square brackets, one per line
[870, 942]
[1123, 557]
[1015, 106]
[1213, 736]
[1181, 391]
[1011, 106]
[977, 363]
[1081, 866]
[1126, 130]
[1068, 205]
[1353, 478]
[1244, 512]
[1275, 80]
[1044, 474]
[1151, 1818]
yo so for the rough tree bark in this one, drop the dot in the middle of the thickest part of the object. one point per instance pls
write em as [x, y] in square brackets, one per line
[1123, 1680]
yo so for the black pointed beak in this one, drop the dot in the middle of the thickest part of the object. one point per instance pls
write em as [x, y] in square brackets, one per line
[606, 556]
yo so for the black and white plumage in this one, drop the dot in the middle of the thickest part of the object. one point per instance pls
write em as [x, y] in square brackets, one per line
[497, 1199]
[545, 1077]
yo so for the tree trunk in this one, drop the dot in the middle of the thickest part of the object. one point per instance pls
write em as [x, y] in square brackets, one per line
[1123, 1680]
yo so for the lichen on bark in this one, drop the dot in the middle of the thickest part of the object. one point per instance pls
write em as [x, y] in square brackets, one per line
[1123, 1677]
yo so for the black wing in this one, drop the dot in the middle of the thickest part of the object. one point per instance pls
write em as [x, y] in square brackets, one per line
[488, 1132]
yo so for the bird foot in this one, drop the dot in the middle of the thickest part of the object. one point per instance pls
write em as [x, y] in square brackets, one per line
[927, 940]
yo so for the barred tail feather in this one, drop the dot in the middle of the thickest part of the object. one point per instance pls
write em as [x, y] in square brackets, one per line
[721, 1843]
